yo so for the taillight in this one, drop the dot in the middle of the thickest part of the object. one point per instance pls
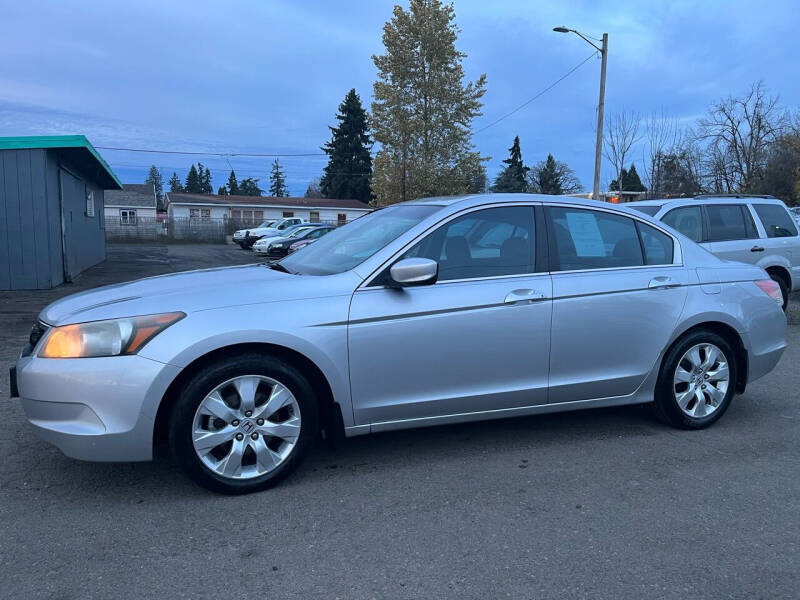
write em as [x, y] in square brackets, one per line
[771, 289]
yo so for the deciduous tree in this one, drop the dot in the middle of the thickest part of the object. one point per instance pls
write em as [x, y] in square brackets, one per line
[422, 111]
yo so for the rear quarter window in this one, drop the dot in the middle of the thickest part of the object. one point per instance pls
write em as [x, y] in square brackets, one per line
[686, 219]
[776, 220]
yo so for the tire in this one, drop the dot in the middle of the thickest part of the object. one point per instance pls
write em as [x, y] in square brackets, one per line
[217, 469]
[668, 389]
[784, 289]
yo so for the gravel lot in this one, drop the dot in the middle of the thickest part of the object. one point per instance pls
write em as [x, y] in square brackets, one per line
[595, 504]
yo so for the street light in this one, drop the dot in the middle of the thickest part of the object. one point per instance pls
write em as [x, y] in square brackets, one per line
[598, 152]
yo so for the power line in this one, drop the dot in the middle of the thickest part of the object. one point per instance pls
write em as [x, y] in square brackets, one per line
[223, 154]
[544, 91]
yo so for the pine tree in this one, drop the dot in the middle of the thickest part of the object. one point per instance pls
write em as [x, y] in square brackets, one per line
[422, 111]
[628, 181]
[618, 184]
[233, 185]
[222, 191]
[277, 181]
[154, 179]
[175, 183]
[513, 177]
[633, 183]
[204, 176]
[552, 176]
[349, 168]
[249, 187]
[192, 185]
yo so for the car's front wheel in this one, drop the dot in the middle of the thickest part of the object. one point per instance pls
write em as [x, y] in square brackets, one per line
[697, 381]
[243, 423]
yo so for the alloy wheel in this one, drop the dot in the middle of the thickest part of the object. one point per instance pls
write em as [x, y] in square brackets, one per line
[246, 427]
[701, 380]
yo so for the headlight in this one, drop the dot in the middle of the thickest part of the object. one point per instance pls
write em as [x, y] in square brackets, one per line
[114, 337]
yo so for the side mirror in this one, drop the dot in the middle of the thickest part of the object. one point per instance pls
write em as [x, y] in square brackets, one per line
[414, 271]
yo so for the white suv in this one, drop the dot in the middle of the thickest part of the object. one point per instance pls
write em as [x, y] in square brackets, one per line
[247, 237]
[754, 229]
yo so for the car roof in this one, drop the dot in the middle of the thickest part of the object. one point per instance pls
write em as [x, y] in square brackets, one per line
[466, 201]
[708, 199]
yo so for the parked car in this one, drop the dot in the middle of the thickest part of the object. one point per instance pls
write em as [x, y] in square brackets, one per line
[279, 247]
[301, 244]
[249, 237]
[262, 243]
[435, 311]
[240, 235]
[795, 210]
[751, 229]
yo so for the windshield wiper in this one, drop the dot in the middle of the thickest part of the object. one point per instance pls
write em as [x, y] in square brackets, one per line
[280, 267]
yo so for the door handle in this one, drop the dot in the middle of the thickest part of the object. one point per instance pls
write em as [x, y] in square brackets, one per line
[756, 249]
[662, 283]
[523, 295]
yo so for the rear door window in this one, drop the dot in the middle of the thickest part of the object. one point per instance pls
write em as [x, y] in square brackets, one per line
[727, 222]
[588, 239]
[688, 220]
[776, 220]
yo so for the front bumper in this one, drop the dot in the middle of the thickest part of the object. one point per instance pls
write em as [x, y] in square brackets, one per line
[97, 409]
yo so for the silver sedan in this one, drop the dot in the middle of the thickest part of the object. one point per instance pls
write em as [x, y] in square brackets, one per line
[436, 311]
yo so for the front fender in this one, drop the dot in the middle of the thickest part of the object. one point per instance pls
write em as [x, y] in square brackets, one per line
[315, 328]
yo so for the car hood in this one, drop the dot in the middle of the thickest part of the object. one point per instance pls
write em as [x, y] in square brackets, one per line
[257, 230]
[192, 291]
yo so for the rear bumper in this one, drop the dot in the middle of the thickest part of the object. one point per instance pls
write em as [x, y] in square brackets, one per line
[763, 363]
[765, 340]
[96, 409]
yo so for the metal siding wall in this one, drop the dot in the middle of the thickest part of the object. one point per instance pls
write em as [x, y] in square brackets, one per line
[28, 228]
[19, 219]
[85, 241]
[5, 278]
[53, 225]
[38, 185]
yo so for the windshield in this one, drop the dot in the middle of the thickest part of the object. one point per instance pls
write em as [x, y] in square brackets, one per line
[648, 209]
[300, 231]
[350, 245]
[266, 224]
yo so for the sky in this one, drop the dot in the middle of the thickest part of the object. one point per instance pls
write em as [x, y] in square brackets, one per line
[267, 77]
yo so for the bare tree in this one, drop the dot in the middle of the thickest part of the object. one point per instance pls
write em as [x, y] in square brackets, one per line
[662, 137]
[737, 134]
[621, 135]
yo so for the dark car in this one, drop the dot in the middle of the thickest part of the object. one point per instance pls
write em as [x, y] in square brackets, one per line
[279, 247]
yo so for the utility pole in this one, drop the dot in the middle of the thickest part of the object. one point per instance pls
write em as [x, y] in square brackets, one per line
[598, 151]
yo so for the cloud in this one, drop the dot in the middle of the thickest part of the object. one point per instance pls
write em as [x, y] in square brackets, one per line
[268, 76]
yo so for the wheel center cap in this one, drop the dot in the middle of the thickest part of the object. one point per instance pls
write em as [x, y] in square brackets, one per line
[247, 426]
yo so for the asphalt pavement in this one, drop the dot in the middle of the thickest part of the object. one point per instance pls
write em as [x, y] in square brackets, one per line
[595, 504]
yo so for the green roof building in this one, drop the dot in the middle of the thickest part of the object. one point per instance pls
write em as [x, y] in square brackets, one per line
[51, 209]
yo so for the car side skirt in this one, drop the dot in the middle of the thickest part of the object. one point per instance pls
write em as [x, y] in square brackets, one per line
[636, 398]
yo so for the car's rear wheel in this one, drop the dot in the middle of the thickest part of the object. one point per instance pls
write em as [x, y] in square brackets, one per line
[243, 424]
[697, 381]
